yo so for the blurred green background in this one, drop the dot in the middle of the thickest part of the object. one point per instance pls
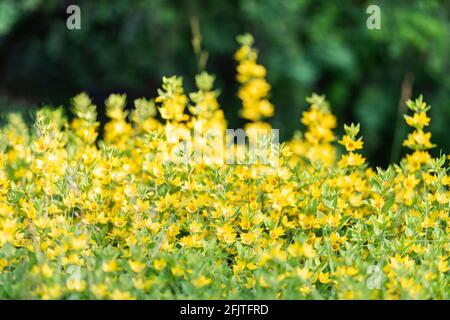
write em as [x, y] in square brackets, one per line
[324, 46]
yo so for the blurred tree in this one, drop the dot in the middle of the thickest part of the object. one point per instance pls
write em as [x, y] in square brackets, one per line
[307, 45]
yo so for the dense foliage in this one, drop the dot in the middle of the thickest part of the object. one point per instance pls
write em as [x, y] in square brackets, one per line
[120, 217]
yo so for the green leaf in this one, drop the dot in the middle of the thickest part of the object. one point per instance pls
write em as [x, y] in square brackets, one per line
[388, 203]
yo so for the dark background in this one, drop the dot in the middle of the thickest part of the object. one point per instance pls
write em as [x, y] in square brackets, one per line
[324, 46]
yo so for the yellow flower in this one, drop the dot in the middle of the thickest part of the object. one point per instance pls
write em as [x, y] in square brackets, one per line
[352, 160]
[121, 295]
[248, 238]
[191, 207]
[419, 120]
[324, 277]
[410, 182]
[303, 273]
[418, 140]
[195, 227]
[110, 266]
[350, 144]
[136, 266]
[74, 284]
[46, 271]
[276, 232]
[177, 271]
[443, 265]
[351, 271]
[226, 234]
[3, 264]
[446, 180]
[173, 230]
[159, 264]
[201, 281]
[79, 242]
[51, 292]
[262, 282]
[441, 197]
[8, 232]
[305, 289]
[100, 290]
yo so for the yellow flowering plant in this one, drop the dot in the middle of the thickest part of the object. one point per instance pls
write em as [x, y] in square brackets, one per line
[137, 214]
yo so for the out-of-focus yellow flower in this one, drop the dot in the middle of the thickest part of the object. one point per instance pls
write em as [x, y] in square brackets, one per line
[201, 281]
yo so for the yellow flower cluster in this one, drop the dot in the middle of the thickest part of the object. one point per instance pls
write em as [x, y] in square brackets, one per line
[316, 143]
[351, 144]
[123, 218]
[254, 88]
